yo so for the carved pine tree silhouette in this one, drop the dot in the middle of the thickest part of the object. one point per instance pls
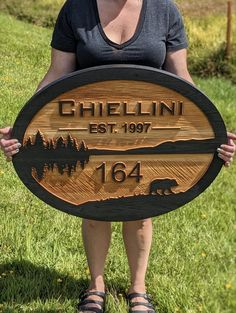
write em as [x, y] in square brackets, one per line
[62, 154]
[65, 153]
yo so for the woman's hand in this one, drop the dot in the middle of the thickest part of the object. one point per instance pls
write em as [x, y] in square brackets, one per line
[226, 152]
[8, 145]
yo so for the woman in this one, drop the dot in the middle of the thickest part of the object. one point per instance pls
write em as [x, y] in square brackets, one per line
[97, 32]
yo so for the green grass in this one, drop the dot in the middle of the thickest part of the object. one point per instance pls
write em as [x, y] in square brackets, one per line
[203, 7]
[40, 12]
[207, 44]
[43, 266]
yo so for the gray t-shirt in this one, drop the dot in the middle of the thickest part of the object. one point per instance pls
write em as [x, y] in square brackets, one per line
[78, 29]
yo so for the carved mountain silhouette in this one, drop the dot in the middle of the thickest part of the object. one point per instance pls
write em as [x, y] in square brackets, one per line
[64, 153]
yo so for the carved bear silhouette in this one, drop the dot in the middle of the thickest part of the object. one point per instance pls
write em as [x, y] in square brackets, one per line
[164, 185]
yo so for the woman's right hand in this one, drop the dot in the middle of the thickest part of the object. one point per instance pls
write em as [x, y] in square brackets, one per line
[8, 145]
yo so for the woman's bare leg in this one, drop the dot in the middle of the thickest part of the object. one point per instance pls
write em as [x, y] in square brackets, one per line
[138, 239]
[96, 238]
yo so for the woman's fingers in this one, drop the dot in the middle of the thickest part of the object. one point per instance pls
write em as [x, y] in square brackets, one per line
[6, 132]
[226, 151]
[12, 149]
[8, 145]
[231, 136]
[228, 148]
[228, 159]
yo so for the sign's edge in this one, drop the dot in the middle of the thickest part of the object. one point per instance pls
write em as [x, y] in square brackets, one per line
[38, 100]
[75, 79]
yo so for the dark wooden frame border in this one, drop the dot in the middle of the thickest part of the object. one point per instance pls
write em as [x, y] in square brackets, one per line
[124, 209]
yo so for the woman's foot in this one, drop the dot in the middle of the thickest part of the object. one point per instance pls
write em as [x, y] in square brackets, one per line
[140, 303]
[91, 301]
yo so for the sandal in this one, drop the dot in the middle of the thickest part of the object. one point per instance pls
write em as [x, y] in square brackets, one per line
[146, 304]
[83, 306]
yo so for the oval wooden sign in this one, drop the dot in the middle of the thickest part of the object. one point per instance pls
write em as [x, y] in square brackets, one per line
[118, 143]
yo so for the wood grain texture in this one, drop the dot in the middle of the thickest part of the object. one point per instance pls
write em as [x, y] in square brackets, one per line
[85, 184]
[192, 124]
[93, 143]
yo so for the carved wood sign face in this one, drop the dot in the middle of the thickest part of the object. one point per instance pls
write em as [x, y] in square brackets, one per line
[118, 142]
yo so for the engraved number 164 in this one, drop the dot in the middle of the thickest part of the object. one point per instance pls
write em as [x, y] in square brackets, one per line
[119, 173]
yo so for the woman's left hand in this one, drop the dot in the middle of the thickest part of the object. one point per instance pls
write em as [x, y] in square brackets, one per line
[226, 151]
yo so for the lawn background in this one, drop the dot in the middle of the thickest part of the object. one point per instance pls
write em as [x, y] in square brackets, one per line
[43, 267]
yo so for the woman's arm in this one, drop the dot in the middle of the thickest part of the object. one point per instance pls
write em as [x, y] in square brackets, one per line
[62, 63]
[176, 63]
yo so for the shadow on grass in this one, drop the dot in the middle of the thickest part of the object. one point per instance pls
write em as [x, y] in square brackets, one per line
[22, 282]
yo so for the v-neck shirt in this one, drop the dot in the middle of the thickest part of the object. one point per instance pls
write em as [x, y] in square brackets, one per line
[159, 29]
